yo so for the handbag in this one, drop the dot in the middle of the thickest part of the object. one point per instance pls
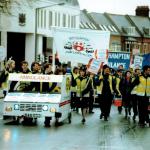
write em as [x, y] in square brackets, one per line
[117, 101]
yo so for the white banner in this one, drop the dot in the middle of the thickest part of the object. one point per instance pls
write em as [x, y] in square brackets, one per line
[138, 60]
[94, 65]
[79, 45]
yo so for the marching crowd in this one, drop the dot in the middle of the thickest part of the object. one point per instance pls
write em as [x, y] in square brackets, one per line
[133, 86]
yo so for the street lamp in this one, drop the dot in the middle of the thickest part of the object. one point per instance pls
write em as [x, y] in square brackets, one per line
[36, 12]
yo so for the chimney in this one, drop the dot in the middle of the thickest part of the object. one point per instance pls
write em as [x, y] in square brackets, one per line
[142, 11]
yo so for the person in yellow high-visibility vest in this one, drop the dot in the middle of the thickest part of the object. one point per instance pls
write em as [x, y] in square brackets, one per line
[136, 74]
[105, 92]
[143, 93]
[83, 87]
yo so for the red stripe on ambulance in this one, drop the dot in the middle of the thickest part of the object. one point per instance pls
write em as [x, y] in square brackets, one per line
[64, 103]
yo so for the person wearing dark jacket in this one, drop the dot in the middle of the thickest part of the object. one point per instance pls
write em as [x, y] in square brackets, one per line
[35, 70]
[125, 89]
[105, 92]
[74, 76]
[116, 86]
[23, 86]
[92, 92]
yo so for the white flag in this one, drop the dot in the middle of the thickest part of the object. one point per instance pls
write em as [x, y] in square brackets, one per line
[79, 45]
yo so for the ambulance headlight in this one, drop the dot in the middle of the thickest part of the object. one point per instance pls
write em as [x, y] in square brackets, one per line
[8, 108]
[16, 107]
[45, 108]
[52, 109]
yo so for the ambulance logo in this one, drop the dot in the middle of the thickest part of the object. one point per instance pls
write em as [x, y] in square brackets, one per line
[80, 46]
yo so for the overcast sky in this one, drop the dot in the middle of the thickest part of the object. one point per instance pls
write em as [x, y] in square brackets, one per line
[113, 6]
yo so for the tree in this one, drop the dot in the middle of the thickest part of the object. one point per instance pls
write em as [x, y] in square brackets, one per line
[5, 5]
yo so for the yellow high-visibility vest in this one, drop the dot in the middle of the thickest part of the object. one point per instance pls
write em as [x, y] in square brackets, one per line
[75, 76]
[143, 87]
[81, 86]
[100, 87]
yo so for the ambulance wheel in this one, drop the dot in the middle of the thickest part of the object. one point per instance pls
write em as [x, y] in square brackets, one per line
[69, 117]
[58, 123]
[16, 119]
[6, 117]
[47, 122]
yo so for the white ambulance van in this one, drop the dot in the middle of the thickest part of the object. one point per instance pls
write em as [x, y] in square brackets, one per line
[25, 102]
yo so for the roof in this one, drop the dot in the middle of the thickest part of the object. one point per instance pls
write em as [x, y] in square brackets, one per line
[142, 23]
[104, 23]
[86, 23]
[124, 25]
[68, 2]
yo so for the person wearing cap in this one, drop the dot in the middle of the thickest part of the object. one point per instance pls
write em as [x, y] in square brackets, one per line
[83, 89]
[143, 93]
[105, 92]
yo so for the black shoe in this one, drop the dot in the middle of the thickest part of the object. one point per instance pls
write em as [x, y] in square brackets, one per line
[134, 117]
[119, 112]
[101, 116]
[83, 121]
[130, 113]
[105, 119]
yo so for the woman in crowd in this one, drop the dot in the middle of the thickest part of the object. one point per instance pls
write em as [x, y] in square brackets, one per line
[9, 68]
[105, 92]
[125, 88]
[83, 87]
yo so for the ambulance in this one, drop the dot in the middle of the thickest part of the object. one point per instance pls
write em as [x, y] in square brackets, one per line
[25, 102]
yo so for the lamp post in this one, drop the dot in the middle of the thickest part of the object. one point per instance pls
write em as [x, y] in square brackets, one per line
[36, 15]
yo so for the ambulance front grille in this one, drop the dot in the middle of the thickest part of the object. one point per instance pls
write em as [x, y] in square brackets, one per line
[31, 107]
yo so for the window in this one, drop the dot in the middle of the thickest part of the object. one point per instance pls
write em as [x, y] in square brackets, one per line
[145, 46]
[73, 21]
[44, 18]
[50, 18]
[128, 46]
[131, 30]
[38, 19]
[68, 20]
[115, 47]
[56, 19]
[41, 18]
[64, 20]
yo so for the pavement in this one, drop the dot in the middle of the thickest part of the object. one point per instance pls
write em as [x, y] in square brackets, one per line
[116, 134]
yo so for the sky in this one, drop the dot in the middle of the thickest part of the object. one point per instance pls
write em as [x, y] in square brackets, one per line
[113, 6]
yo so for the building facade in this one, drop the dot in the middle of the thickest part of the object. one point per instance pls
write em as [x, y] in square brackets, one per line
[25, 29]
